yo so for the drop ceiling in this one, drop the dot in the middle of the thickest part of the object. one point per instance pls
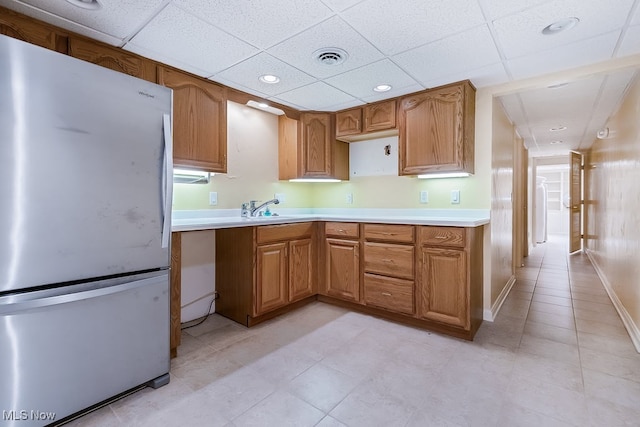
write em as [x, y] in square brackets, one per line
[409, 44]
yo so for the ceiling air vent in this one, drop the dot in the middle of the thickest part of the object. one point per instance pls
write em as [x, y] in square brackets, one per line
[330, 56]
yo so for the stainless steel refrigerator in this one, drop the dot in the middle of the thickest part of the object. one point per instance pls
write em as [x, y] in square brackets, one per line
[85, 210]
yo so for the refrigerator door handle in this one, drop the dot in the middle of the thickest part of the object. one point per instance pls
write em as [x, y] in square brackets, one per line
[167, 181]
[57, 297]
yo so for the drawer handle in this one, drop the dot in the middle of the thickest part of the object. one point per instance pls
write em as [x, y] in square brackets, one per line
[387, 261]
[386, 294]
[441, 237]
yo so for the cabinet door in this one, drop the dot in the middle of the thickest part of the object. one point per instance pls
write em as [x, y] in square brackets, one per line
[343, 269]
[380, 116]
[431, 131]
[444, 295]
[29, 31]
[199, 121]
[115, 59]
[301, 272]
[271, 283]
[317, 145]
[349, 122]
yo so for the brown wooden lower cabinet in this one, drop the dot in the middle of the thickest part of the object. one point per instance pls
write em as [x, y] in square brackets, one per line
[343, 269]
[265, 270]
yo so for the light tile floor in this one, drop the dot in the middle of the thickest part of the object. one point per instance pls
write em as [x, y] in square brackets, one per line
[557, 355]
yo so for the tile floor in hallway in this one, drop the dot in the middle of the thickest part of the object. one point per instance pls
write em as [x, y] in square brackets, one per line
[557, 355]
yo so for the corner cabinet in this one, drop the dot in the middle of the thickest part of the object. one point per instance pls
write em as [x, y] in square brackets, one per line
[199, 121]
[265, 270]
[307, 148]
[436, 130]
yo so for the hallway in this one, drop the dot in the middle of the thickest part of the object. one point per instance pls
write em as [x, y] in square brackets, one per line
[575, 361]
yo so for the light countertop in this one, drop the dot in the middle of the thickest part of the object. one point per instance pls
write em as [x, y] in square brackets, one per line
[229, 218]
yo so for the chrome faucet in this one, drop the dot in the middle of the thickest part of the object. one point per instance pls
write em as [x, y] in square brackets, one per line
[251, 210]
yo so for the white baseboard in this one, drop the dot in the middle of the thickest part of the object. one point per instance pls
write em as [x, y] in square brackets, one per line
[490, 314]
[632, 328]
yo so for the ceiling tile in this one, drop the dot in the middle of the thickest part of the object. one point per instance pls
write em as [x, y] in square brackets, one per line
[183, 37]
[262, 23]
[340, 5]
[334, 32]
[119, 19]
[458, 54]
[316, 96]
[398, 26]
[481, 77]
[564, 57]
[631, 42]
[344, 105]
[497, 8]
[148, 53]
[361, 81]
[248, 72]
[60, 22]
[521, 34]
[238, 86]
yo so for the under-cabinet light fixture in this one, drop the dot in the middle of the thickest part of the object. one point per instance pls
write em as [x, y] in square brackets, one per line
[315, 180]
[444, 175]
[190, 176]
[265, 107]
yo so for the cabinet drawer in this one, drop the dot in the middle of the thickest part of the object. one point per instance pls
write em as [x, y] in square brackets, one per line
[443, 236]
[276, 233]
[386, 292]
[342, 229]
[389, 232]
[389, 259]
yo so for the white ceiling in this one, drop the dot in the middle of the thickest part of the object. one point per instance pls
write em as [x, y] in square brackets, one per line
[408, 44]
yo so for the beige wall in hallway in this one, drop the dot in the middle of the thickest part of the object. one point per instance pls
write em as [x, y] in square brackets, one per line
[502, 158]
[612, 201]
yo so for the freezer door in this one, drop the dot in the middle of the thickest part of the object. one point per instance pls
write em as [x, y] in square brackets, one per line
[66, 349]
[82, 159]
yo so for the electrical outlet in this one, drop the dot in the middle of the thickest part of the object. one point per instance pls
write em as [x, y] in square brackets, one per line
[424, 196]
[350, 198]
[455, 197]
[280, 196]
[213, 198]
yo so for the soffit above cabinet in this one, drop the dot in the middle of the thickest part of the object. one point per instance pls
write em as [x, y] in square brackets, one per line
[410, 45]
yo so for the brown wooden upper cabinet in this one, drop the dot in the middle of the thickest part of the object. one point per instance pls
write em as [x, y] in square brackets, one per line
[437, 130]
[307, 148]
[113, 58]
[199, 121]
[30, 31]
[360, 123]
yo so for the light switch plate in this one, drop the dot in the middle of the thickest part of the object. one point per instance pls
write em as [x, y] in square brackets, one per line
[350, 198]
[213, 198]
[455, 197]
[280, 196]
[424, 196]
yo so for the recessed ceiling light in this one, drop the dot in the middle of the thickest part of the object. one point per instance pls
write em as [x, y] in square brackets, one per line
[556, 142]
[269, 78]
[559, 26]
[558, 128]
[86, 4]
[382, 88]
